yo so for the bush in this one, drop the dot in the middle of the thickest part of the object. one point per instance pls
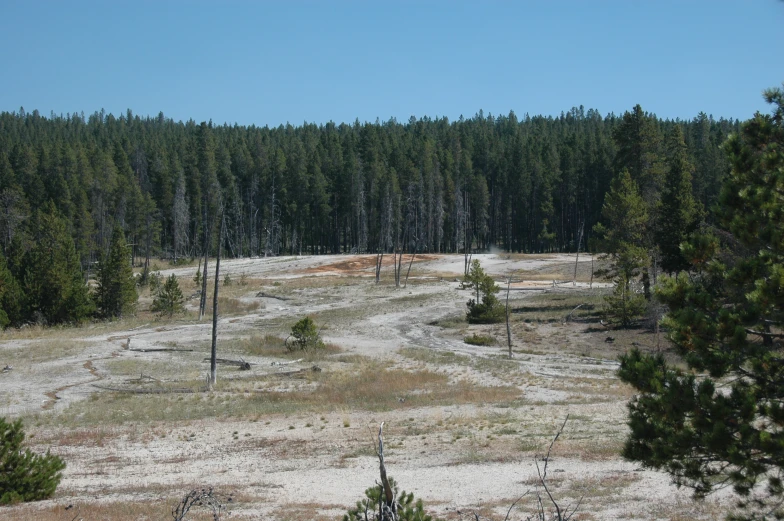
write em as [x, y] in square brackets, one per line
[479, 340]
[305, 336]
[25, 476]
[155, 279]
[407, 508]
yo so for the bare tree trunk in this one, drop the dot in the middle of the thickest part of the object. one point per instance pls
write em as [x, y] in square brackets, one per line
[379, 262]
[214, 350]
[590, 284]
[203, 300]
[508, 329]
[387, 504]
[405, 283]
[577, 259]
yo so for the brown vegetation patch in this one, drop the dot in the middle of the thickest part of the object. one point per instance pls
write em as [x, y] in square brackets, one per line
[364, 262]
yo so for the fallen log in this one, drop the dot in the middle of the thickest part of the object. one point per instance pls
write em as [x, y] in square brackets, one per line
[242, 364]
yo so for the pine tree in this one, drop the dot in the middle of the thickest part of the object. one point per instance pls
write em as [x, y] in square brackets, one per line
[25, 476]
[485, 308]
[725, 319]
[116, 294]
[622, 237]
[11, 296]
[169, 299]
[679, 213]
[53, 284]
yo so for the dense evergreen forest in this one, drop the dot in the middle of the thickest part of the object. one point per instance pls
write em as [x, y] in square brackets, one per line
[531, 184]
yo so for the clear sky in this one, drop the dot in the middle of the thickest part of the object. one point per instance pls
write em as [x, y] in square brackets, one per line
[270, 62]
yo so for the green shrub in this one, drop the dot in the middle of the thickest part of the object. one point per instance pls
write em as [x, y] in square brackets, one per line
[169, 299]
[407, 508]
[155, 279]
[227, 280]
[304, 336]
[24, 475]
[624, 305]
[479, 340]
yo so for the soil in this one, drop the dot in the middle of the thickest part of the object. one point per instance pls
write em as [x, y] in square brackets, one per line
[458, 457]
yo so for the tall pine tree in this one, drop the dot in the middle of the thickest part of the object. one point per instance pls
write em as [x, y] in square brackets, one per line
[679, 213]
[53, 285]
[116, 294]
[722, 421]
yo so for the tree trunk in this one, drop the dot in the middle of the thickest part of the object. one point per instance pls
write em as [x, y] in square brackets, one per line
[214, 350]
[508, 329]
[203, 299]
[409, 269]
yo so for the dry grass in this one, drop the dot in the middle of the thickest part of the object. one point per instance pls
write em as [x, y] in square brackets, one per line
[43, 351]
[233, 306]
[98, 327]
[373, 387]
[273, 346]
[107, 511]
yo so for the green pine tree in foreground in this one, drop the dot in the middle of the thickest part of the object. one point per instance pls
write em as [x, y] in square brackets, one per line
[25, 476]
[116, 294]
[726, 319]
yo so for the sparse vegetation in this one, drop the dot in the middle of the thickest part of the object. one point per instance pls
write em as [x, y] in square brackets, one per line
[305, 336]
[480, 340]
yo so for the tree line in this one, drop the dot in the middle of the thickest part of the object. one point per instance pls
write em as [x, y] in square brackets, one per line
[531, 184]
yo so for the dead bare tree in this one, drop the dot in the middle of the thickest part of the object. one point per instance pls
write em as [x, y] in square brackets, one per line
[508, 329]
[577, 259]
[547, 507]
[214, 350]
[180, 218]
[206, 498]
[203, 299]
[387, 509]
[385, 238]
[560, 513]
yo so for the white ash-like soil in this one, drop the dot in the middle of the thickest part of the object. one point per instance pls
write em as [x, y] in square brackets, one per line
[312, 463]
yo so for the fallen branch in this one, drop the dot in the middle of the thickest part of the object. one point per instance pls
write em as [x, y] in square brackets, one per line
[160, 350]
[568, 317]
[147, 391]
[144, 377]
[288, 363]
[261, 294]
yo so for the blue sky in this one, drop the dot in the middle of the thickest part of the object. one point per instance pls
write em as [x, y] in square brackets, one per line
[268, 63]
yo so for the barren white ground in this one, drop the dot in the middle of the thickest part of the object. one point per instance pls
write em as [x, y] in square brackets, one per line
[301, 466]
